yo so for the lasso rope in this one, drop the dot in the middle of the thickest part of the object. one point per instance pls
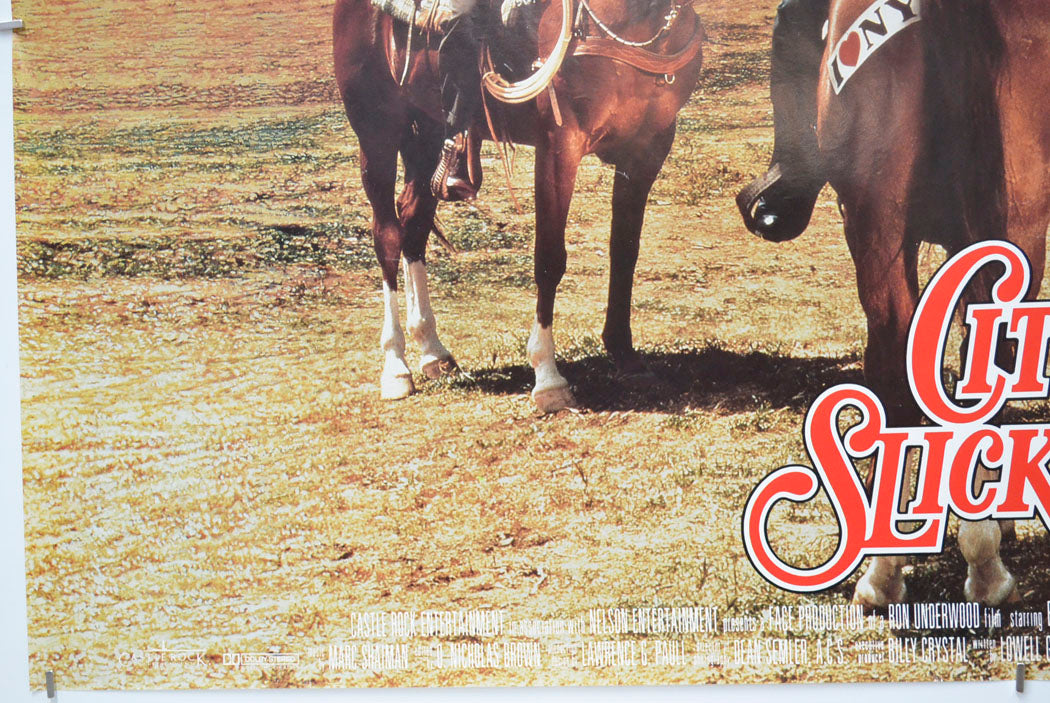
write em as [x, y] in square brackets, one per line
[528, 88]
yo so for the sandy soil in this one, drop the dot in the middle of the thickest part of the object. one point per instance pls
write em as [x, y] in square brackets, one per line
[208, 465]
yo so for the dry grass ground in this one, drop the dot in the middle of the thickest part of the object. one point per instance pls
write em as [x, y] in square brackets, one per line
[207, 461]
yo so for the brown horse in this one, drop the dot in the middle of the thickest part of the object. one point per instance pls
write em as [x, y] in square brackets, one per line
[623, 114]
[940, 134]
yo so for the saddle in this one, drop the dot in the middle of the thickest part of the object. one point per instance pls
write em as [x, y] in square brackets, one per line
[432, 16]
[582, 34]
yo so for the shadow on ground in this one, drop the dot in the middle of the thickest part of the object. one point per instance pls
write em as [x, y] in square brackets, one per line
[940, 578]
[708, 378]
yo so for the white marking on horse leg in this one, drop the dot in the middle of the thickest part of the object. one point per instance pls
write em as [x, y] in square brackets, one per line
[436, 360]
[541, 356]
[987, 580]
[551, 392]
[882, 583]
[396, 381]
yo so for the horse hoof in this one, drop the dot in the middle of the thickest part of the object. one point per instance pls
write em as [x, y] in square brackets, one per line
[396, 387]
[641, 380]
[872, 599]
[1005, 592]
[440, 367]
[630, 365]
[553, 399]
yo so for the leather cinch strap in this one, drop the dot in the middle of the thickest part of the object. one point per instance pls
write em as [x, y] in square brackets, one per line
[643, 59]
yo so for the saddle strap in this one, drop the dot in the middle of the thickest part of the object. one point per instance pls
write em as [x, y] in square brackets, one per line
[643, 59]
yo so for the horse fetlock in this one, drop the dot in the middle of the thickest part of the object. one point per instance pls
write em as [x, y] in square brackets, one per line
[990, 584]
[424, 332]
[541, 343]
[979, 541]
[632, 369]
[541, 350]
[422, 329]
[987, 580]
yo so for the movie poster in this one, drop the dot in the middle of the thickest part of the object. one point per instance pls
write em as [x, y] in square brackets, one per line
[817, 465]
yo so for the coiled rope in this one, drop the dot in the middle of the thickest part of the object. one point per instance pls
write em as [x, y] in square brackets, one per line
[528, 88]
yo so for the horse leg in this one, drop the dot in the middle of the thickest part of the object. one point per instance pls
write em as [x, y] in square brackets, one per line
[887, 281]
[883, 582]
[987, 580]
[417, 206]
[635, 174]
[396, 380]
[557, 160]
[1028, 228]
[378, 134]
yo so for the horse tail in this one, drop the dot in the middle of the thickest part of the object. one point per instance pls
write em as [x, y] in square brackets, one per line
[960, 177]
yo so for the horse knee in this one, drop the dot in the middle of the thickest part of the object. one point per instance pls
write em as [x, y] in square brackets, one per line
[386, 242]
[549, 272]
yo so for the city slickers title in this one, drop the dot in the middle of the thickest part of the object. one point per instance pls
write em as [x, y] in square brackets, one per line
[959, 440]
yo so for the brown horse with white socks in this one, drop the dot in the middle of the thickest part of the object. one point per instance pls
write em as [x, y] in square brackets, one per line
[611, 98]
[929, 119]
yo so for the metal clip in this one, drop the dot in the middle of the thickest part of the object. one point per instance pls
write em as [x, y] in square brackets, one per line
[11, 25]
[1020, 678]
[49, 679]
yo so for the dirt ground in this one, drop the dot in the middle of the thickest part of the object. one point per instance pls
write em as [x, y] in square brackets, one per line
[208, 465]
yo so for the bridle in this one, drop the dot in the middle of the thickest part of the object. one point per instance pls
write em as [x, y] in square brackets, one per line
[669, 18]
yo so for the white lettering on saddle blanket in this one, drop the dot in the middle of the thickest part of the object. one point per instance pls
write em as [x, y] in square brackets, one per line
[876, 26]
